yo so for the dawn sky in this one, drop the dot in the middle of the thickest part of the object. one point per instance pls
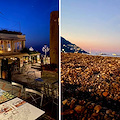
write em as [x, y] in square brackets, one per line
[33, 16]
[92, 24]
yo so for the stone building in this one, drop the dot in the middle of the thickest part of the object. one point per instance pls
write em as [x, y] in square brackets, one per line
[11, 44]
[54, 37]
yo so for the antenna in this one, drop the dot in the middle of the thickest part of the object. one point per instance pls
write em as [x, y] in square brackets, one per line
[11, 20]
[19, 26]
[1, 13]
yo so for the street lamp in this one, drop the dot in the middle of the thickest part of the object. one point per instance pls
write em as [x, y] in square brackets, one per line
[45, 49]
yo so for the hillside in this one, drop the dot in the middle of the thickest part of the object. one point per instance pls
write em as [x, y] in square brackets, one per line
[67, 46]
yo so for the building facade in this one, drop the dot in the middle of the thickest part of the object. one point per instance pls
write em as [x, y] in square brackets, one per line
[11, 57]
[11, 43]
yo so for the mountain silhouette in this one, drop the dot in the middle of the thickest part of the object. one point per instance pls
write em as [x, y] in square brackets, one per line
[67, 46]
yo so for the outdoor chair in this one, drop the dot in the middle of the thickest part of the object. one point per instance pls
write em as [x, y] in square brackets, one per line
[55, 99]
[45, 117]
[54, 94]
[37, 97]
[43, 88]
[37, 80]
[24, 69]
[46, 88]
[31, 79]
[17, 89]
[53, 87]
[50, 93]
[15, 70]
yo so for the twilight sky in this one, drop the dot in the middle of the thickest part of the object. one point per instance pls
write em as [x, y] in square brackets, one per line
[33, 16]
[92, 24]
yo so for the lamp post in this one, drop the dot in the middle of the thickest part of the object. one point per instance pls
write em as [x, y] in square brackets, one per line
[45, 49]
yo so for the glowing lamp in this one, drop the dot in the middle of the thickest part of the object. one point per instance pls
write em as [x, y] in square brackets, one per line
[9, 49]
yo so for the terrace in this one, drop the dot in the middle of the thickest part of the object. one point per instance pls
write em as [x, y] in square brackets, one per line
[49, 88]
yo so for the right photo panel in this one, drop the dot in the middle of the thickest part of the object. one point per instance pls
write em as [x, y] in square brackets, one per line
[90, 60]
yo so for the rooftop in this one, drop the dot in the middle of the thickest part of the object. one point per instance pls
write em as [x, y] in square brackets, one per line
[10, 32]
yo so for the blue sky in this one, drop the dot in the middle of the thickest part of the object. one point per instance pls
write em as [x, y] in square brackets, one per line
[92, 24]
[32, 17]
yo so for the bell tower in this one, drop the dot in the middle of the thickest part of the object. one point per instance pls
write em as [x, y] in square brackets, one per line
[54, 37]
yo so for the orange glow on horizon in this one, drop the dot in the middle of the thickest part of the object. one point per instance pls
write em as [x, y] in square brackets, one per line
[94, 46]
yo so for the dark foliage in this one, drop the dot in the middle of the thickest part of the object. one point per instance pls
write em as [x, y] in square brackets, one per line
[50, 67]
[10, 32]
[26, 50]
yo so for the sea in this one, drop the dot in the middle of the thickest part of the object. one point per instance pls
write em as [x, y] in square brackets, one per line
[104, 55]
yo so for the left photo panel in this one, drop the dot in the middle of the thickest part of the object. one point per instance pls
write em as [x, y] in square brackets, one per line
[29, 60]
